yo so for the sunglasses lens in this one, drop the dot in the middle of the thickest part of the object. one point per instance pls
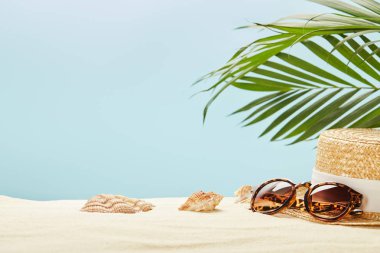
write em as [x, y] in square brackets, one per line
[272, 196]
[329, 201]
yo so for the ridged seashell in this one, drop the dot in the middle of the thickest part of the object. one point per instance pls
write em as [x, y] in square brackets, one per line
[243, 194]
[201, 202]
[108, 203]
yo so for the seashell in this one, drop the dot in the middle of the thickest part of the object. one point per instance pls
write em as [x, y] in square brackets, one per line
[243, 194]
[108, 203]
[201, 202]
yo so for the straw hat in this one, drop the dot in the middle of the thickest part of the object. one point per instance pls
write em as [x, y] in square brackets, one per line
[350, 157]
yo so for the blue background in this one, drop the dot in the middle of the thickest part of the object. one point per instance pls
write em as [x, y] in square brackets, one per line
[95, 98]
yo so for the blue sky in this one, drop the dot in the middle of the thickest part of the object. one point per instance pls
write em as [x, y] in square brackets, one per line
[95, 98]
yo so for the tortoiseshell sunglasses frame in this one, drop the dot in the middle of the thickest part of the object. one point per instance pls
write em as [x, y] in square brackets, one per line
[352, 209]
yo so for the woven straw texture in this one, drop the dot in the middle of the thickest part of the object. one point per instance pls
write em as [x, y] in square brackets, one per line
[366, 219]
[352, 153]
[347, 152]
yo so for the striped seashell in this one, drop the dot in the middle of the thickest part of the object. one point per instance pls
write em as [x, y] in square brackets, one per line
[244, 194]
[201, 202]
[108, 203]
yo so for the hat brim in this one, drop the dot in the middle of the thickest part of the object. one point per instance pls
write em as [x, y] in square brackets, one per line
[366, 219]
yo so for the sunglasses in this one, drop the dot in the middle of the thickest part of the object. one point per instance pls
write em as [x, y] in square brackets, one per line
[325, 201]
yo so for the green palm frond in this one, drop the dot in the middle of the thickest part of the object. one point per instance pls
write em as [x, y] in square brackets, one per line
[336, 86]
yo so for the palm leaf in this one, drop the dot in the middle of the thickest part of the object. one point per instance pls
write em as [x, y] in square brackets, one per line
[336, 86]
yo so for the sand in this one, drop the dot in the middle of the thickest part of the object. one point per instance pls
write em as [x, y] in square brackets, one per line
[59, 226]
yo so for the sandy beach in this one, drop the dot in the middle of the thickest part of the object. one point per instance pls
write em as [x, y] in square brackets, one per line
[59, 226]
